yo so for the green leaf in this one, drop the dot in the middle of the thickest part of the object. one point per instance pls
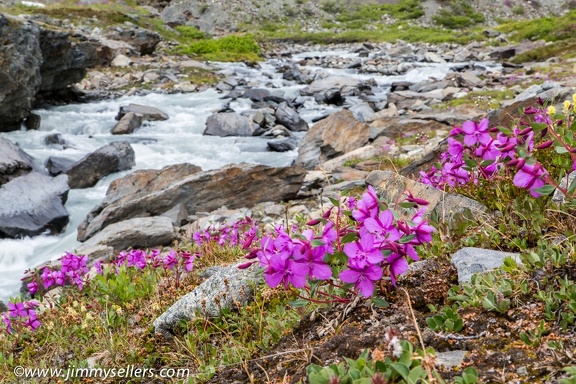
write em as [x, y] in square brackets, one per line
[406, 239]
[298, 303]
[379, 302]
[560, 149]
[471, 163]
[407, 204]
[334, 202]
[349, 237]
[317, 243]
[545, 190]
[364, 380]
[401, 369]
[506, 131]
[416, 374]
[537, 127]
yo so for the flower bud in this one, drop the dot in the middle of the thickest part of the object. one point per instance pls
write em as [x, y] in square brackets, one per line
[573, 150]
[545, 144]
[530, 110]
[252, 255]
[508, 147]
[456, 131]
[313, 222]
[512, 163]
[520, 164]
[525, 131]
[327, 213]
[540, 101]
[245, 265]
[493, 130]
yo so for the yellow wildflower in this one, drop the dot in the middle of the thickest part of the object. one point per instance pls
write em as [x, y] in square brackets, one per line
[551, 110]
[566, 106]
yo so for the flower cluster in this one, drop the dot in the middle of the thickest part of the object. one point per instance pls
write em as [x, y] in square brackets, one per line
[72, 270]
[239, 232]
[21, 313]
[375, 244]
[137, 258]
[476, 151]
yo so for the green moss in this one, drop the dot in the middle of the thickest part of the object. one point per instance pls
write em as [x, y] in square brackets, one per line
[547, 28]
[229, 48]
[485, 99]
[460, 14]
[563, 48]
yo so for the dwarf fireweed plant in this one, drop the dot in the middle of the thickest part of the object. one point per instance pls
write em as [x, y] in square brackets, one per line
[345, 252]
[477, 152]
[21, 315]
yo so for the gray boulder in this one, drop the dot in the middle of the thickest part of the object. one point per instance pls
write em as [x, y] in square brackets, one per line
[289, 118]
[14, 162]
[283, 144]
[148, 113]
[33, 204]
[391, 185]
[225, 288]
[143, 40]
[141, 232]
[234, 186]
[340, 133]
[115, 157]
[294, 73]
[19, 70]
[229, 124]
[128, 123]
[469, 261]
[56, 165]
[330, 82]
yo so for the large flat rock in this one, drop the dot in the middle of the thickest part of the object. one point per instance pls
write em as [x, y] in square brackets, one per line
[234, 186]
[33, 204]
[391, 185]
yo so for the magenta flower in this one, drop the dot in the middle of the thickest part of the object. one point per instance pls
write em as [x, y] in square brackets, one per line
[17, 309]
[475, 133]
[363, 277]
[455, 149]
[367, 206]
[171, 260]
[382, 227]
[398, 265]
[32, 321]
[8, 323]
[188, 260]
[98, 267]
[136, 258]
[363, 252]
[308, 261]
[530, 177]
[282, 270]
[488, 150]
[32, 287]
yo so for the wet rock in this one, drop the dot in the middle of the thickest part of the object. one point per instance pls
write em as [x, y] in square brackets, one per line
[33, 204]
[432, 57]
[54, 139]
[256, 94]
[234, 186]
[58, 165]
[294, 73]
[148, 113]
[330, 82]
[340, 133]
[391, 185]
[225, 288]
[229, 124]
[128, 123]
[14, 162]
[289, 118]
[32, 122]
[115, 157]
[469, 261]
[141, 232]
[19, 70]
[283, 145]
[331, 97]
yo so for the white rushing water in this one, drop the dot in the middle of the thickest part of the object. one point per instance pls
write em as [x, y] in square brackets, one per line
[86, 127]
